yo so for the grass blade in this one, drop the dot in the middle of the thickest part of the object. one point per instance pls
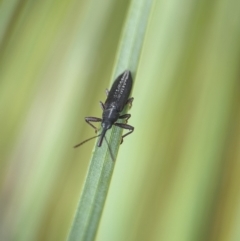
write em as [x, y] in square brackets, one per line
[101, 167]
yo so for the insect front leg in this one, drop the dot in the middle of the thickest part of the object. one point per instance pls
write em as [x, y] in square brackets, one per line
[125, 126]
[125, 116]
[93, 119]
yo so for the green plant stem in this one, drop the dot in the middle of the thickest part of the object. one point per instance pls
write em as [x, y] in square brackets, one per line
[101, 167]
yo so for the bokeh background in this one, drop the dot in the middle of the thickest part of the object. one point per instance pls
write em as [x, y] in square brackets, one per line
[177, 176]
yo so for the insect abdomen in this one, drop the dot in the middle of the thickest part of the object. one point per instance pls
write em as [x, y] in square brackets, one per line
[120, 91]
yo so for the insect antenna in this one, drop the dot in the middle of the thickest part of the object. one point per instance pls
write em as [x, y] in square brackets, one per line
[110, 151]
[86, 140]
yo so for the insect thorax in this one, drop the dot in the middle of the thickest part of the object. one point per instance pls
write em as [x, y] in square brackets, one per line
[111, 114]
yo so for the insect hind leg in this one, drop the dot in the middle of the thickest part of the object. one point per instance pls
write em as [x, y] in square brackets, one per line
[106, 92]
[129, 102]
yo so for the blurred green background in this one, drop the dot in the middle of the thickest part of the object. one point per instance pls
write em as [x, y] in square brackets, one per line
[177, 176]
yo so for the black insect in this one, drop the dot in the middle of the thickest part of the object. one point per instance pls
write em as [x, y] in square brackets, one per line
[117, 98]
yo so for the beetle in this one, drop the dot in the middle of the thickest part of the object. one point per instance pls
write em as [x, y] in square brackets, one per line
[117, 99]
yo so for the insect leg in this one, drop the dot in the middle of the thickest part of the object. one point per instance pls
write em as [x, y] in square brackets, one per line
[102, 105]
[107, 92]
[125, 116]
[129, 102]
[93, 119]
[125, 126]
